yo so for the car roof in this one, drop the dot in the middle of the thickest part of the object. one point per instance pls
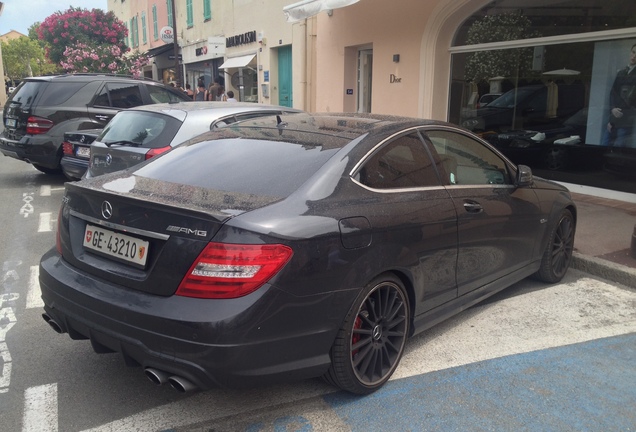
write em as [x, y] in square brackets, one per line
[345, 125]
[180, 110]
[89, 77]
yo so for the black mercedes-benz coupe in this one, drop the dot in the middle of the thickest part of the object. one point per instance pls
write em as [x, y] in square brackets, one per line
[297, 246]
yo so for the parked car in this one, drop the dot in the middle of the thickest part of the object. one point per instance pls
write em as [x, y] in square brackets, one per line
[297, 246]
[140, 133]
[76, 152]
[555, 147]
[42, 109]
[525, 108]
[485, 99]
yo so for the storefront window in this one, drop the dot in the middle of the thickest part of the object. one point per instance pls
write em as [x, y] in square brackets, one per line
[568, 110]
[545, 18]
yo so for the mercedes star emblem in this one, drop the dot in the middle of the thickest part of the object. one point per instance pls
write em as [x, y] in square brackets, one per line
[107, 210]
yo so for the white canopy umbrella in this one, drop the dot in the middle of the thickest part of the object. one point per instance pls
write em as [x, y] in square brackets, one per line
[562, 72]
[308, 8]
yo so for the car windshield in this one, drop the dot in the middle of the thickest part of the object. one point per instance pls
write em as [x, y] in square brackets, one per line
[140, 129]
[512, 97]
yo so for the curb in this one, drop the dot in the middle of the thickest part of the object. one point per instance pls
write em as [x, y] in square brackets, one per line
[605, 269]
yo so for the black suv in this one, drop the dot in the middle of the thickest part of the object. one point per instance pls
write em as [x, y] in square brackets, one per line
[42, 109]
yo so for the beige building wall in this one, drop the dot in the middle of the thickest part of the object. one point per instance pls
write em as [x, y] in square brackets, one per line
[419, 32]
[265, 17]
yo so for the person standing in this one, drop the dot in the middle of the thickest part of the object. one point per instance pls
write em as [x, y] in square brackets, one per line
[230, 96]
[189, 91]
[620, 128]
[201, 94]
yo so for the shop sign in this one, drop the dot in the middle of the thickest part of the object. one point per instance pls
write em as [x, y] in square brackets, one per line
[241, 39]
[394, 79]
[201, 51]
[166, 34]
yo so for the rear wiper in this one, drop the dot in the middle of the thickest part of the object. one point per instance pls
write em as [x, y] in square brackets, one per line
[123, 142]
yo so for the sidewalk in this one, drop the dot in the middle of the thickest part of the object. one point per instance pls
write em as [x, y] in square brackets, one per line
[602, 245]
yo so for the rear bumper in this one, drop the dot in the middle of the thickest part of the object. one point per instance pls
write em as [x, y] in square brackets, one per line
[266, 337]
[38, 150]
[73, 168]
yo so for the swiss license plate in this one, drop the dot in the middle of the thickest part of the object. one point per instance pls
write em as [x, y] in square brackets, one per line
[84, 152]
[11, 123]
[121, 246]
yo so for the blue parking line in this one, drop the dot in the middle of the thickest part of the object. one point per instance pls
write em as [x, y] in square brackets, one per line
[589, 386]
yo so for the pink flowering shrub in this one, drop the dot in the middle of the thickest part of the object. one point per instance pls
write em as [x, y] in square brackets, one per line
[89, 41]
[84, 58]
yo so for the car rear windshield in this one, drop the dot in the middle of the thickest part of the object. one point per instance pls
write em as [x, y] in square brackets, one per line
[140, 129]
[27, 92]
[239, 165]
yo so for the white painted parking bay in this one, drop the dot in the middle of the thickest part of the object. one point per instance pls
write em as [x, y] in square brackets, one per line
[527, 317]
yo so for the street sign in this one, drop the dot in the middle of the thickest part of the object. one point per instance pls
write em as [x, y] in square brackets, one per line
[171, 57]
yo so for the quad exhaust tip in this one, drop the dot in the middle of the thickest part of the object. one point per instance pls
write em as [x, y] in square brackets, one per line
[54, 325]
[160, 377]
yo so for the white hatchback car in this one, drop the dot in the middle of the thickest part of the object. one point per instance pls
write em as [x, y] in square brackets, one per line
[137, 134]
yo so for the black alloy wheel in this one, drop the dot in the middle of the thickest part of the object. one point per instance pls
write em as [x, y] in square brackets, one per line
[371, 342]
[558, 253]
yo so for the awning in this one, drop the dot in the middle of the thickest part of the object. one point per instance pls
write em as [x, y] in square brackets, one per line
[154, 52]
[237, 62]
[308, 8]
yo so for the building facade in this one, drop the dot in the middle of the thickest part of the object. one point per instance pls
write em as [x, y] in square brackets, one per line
[553, 67]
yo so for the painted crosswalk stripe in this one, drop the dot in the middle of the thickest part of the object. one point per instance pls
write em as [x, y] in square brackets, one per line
[34, 295]
[45, 222]
[40, 409]
[45, 190]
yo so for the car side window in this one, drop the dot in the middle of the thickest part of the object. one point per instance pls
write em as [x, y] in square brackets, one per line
[122, 95]
[465, 161]
[402, 163]
[162, 95]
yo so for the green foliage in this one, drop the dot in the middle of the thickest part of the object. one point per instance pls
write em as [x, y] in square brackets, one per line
[483, 65]
[23, 57]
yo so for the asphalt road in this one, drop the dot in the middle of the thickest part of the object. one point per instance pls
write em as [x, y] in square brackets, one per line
[534, 357]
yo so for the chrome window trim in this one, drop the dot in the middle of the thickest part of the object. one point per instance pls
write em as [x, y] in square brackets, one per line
[398, 190]
[119, 227]
[378, 145]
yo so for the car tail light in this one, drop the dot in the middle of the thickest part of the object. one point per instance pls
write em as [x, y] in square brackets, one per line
[67, 148]
[156, 151]
[224, 271]
[58, 239]
[38, 125]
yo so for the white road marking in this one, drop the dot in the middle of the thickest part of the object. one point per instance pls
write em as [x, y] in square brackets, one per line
[45, 190]
[27, 208]
[45, 222]
[40, 409]
[7, 321]
[34, 295]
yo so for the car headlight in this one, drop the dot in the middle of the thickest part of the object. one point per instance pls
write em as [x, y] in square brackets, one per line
[470, 124]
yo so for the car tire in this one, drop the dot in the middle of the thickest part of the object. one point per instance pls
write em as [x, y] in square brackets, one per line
[557, 255]
[371, 342]
[45, 170]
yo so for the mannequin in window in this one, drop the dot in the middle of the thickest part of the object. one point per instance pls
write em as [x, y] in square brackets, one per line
[620, 128]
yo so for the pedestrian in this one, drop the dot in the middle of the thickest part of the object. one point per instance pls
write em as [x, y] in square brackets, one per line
[213, 91]
[620, 128]
[201, 94]
[230, 96]
[189, 91]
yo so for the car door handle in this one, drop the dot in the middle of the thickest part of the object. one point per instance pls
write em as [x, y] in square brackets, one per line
[102, 117]
[473, 207]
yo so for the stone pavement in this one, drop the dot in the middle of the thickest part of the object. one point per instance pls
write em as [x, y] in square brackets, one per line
[603, 241]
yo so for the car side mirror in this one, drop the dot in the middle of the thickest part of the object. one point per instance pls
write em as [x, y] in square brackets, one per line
[524, 176]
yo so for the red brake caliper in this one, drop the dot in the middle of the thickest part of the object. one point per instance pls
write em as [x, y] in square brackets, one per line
[355, 337]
